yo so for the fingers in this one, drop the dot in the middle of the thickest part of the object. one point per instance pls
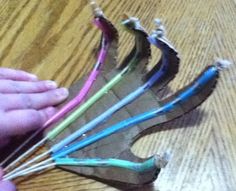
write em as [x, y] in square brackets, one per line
[10, 86]
[19, 122]
[6, 185]
[11, 74]
[32, 101]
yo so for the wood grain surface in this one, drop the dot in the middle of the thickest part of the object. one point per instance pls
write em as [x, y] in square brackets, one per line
[56, 40]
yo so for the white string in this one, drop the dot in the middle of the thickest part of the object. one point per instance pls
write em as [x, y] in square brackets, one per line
[223, 64]
[19, 173]
[30, 171]
[41, 156]
[24, 154]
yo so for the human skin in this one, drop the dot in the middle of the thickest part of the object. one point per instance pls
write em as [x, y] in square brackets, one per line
[6, 185]
[26, 103]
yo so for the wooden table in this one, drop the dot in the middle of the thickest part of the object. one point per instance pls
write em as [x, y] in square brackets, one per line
[55, 40]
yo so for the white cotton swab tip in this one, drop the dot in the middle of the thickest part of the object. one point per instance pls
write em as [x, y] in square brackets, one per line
[223, 64]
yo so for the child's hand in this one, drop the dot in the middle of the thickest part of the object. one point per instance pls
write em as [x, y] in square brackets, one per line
[26, 103]
[6, 185]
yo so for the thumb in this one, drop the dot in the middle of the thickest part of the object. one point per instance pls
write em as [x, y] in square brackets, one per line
[6, 185]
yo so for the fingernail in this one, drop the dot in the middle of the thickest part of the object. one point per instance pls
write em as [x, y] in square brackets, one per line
[62, 93]
[51, 84]
[33, 77]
